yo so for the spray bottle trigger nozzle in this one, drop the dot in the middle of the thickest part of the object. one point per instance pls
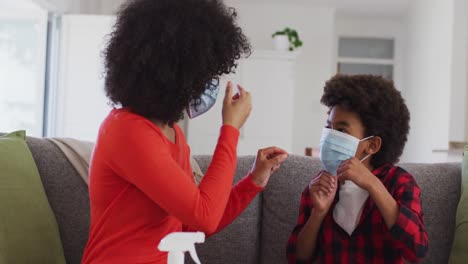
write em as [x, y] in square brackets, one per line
[193, 254]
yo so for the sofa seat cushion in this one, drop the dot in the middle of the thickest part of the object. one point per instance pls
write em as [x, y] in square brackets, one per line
[440, 193]
[281, 200]
[239, 243]
[67, 194]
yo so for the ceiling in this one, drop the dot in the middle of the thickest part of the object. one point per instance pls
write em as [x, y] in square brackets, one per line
[385, 8]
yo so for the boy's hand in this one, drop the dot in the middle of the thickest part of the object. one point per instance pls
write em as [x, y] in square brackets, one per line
[353, 170]
[322, 192]
[267, 162]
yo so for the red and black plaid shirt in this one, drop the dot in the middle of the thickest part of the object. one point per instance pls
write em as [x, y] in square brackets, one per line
[372, 241]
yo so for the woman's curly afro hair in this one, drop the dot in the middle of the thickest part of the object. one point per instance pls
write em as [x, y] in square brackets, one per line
[380, 106]
[162, 53]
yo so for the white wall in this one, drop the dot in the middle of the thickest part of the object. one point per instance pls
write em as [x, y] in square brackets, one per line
[269, 75]
[72, 6]
[393, 28]
[466, 70]
[430, 35]
[81, 104]
[458, 116]
[315, 64]
[110, 6]
[62, 6]
[431, 71]
[91, 7]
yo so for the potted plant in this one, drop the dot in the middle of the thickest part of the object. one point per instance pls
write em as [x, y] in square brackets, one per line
[287, 39]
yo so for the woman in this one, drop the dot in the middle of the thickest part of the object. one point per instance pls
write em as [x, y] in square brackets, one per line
[159, 60]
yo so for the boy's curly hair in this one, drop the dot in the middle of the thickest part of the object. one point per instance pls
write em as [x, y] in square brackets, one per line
[162, 53]
[380, 106]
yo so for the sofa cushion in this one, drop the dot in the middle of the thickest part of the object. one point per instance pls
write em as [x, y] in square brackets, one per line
[239, 242]
[459, 254]
[281, 205]
[67, 194]
[28, 229]
[440, 193]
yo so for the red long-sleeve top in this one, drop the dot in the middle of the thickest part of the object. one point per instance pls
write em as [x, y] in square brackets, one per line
[142, 188]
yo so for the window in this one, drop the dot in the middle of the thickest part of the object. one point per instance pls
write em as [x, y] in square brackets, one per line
[23, 45]
[366, 56]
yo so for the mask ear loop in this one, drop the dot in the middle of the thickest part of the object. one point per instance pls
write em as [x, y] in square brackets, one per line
[364, 139]
[366, 157]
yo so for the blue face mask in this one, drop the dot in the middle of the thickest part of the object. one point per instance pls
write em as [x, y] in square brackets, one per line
[336, 147]
[207, 100]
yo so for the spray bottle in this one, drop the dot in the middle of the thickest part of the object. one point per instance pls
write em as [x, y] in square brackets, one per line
[178, 243]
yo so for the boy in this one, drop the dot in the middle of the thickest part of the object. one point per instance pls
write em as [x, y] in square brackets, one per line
[374, 215]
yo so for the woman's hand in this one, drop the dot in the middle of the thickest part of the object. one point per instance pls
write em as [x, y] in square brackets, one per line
[322, 193]
[236, 110]
[267, 162]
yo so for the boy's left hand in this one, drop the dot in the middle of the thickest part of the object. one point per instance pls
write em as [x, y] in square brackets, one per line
[353, 170]
[267, 162]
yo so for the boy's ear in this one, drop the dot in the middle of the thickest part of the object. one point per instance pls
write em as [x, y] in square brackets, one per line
[374, 146]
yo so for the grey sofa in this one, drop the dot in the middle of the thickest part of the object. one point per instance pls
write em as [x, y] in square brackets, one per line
[259, 235]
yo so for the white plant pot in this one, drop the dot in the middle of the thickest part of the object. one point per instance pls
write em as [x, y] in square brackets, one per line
[281, 42]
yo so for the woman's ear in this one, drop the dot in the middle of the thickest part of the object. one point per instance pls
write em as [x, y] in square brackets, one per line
[374, 146]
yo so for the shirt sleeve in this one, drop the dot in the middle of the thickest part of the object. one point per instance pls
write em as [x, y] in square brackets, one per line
[142, 157]
[409, 232]
[304, 214]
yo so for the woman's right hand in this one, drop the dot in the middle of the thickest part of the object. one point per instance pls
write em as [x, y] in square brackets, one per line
[236, 111]
[322, 192]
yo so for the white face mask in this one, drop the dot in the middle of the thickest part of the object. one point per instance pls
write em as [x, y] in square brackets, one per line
[348, 209]
[336, 147]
